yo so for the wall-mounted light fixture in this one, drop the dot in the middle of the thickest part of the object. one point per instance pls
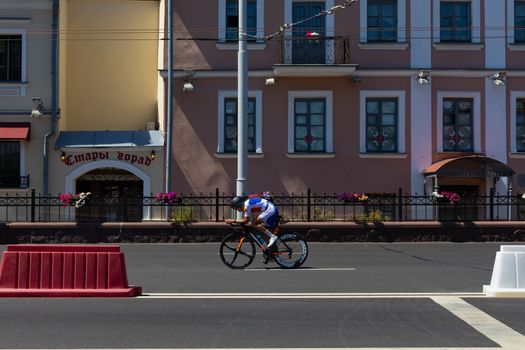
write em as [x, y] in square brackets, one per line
[188, 81]
[63, 156]
[270, 81]
[499, 78]
[37, 110]
[356, 79]
[152, 155]
[423, 77]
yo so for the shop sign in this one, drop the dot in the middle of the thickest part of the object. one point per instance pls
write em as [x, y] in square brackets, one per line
[94, 156]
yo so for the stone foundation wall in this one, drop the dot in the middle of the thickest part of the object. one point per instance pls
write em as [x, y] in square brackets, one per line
[162, 232]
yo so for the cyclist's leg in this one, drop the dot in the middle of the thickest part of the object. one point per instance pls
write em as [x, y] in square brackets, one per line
[267, 219]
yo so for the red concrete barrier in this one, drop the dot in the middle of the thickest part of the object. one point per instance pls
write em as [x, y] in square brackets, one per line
[34, 270]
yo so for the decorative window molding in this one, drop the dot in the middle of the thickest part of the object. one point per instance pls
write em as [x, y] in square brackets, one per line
[11, 20]
[401, 21]
[514, 96]
[223, 94]
[400, 95]
[15, 88]
[476, 115]
[235, 46]
[475, 20]
[383, 46]
[222, 23]
[328, 96]
[458, 47]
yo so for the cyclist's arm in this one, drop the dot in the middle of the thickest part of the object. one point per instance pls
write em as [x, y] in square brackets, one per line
[242, 221]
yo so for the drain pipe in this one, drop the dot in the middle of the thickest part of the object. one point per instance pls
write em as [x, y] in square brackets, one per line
[54, 94]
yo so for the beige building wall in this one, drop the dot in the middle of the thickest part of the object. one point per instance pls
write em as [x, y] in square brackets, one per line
[32, 20]
[108, 64]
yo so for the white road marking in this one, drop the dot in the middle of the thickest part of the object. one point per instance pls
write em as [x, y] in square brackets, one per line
[302, 269]
[301, 295]
[487, 325]
[405, 348]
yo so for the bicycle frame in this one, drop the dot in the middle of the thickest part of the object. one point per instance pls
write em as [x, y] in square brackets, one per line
[248, 230]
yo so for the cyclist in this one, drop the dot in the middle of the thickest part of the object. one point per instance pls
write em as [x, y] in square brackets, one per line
[268, 214]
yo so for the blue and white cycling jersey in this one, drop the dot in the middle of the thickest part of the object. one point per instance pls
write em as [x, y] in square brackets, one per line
[260, 205]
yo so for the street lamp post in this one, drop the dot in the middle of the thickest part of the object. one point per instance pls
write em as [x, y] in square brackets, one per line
[242, 103]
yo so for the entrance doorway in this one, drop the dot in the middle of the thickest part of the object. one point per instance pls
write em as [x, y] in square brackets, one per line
[307, 50]
[116, 195]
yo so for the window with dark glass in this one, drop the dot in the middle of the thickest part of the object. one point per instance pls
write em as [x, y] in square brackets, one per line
[382, 20]
[519, 22]
[9, 164]
[458, 125]
[381, 125]
[232, 19]
[10, 57]
[520, 125]
[456, 21]
[230, 125]
[310, 125]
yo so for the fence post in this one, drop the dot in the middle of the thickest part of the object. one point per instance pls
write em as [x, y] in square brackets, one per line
[308, 204]
[33, 204]
[216, 205]
[400, 204]
[491, 201]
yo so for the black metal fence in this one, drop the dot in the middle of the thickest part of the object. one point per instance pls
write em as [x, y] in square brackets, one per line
[306, 206]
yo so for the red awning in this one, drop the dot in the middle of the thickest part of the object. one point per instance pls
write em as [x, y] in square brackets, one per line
[14, 131]
[469, 166]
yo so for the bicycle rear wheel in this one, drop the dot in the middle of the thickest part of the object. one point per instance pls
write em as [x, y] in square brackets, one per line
[237, 250]
[291, 251]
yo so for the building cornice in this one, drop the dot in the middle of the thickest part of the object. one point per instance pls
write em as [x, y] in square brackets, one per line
[349, 71]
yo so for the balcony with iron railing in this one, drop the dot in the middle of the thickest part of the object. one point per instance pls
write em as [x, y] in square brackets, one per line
[317, 56]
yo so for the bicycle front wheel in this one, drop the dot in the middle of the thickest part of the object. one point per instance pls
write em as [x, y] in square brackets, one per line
[237, 250]
[291, 251]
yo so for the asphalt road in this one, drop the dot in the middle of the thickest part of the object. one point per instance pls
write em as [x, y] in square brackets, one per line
[330, 268]
[352, 296]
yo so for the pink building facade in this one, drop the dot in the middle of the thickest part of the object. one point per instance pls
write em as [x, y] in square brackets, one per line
[385, 94]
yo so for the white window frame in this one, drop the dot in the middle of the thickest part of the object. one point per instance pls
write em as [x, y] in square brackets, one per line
[329, 30]
[401, 21]
[476, 117]
[475, 20]
[223, 94]
[401, 117]
[328, 96]
[514, 96]
[510, 21]
[16, 88]
[222, 21]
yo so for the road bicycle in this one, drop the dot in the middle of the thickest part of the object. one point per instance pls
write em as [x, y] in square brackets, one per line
[237, 249]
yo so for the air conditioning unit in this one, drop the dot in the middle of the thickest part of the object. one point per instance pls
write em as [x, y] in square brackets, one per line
[151, 126]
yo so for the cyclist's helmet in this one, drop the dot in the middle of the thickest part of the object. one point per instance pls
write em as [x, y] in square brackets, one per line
[237, 202]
